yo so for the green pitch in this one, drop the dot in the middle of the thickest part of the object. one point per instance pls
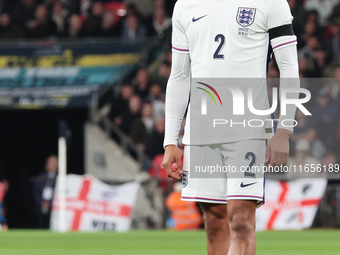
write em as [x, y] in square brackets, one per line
[309, 242]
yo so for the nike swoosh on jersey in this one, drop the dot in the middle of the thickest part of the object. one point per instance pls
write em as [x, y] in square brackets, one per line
[246, 185]
[194, 20]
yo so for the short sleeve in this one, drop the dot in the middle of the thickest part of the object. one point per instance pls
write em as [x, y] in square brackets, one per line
[279, 19]
[179, 38]
[278, 14]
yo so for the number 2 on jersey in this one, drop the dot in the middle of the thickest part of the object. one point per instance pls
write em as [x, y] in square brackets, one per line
[250, 156]
[221, 39]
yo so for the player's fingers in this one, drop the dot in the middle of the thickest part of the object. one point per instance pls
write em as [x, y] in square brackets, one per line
[273, 159]
[167, 167]
[179, 165]
[171, 172]
[283, 157]
[278, 158]
[175, 174]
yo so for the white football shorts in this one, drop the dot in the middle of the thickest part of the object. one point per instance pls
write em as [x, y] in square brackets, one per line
[220, 172]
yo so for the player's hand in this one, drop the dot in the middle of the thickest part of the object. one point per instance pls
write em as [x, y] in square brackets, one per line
[277, 151]
[173, 155]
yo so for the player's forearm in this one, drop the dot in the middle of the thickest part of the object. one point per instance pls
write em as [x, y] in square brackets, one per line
[177, 97]
[287, 62]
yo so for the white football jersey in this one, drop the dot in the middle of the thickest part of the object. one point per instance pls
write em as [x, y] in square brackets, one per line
[230, 39]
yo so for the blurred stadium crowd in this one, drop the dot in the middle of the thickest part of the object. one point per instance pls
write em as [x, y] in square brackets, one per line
[82, 18]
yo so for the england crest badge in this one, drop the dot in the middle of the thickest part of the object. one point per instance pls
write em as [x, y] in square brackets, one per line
[184, 179]
[245, 16]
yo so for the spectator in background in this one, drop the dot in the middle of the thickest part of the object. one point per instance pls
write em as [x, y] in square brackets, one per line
[121, 103]
[133, 29]
[185, 215]
[313, 16]
[92, 26]
[303, 130]
[168, 5]
[143, 126]
[108, 29]
[59, 16]
[24, 12]
[330, 162]
[41, 26]
[299, 15]
[308, 52]
[323, 7]
[147, 118]
[48, 3]
[303, 68]
[144, 7]
[319, 64]
[74, 27]
[302, 158]
[141, 83]
[161, 24]
[85, 6]
[157, 99]
[71, 6]
[324, 115]
[131, 9]
[306, 70]
[311, 29]
[329, 159]
[155, 139]
[43, 191]
[162, 72]
[332, 44]
[129, 116]
[8, 29]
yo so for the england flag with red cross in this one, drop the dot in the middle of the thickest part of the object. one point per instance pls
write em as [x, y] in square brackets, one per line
[92, 205]
[290, 205]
